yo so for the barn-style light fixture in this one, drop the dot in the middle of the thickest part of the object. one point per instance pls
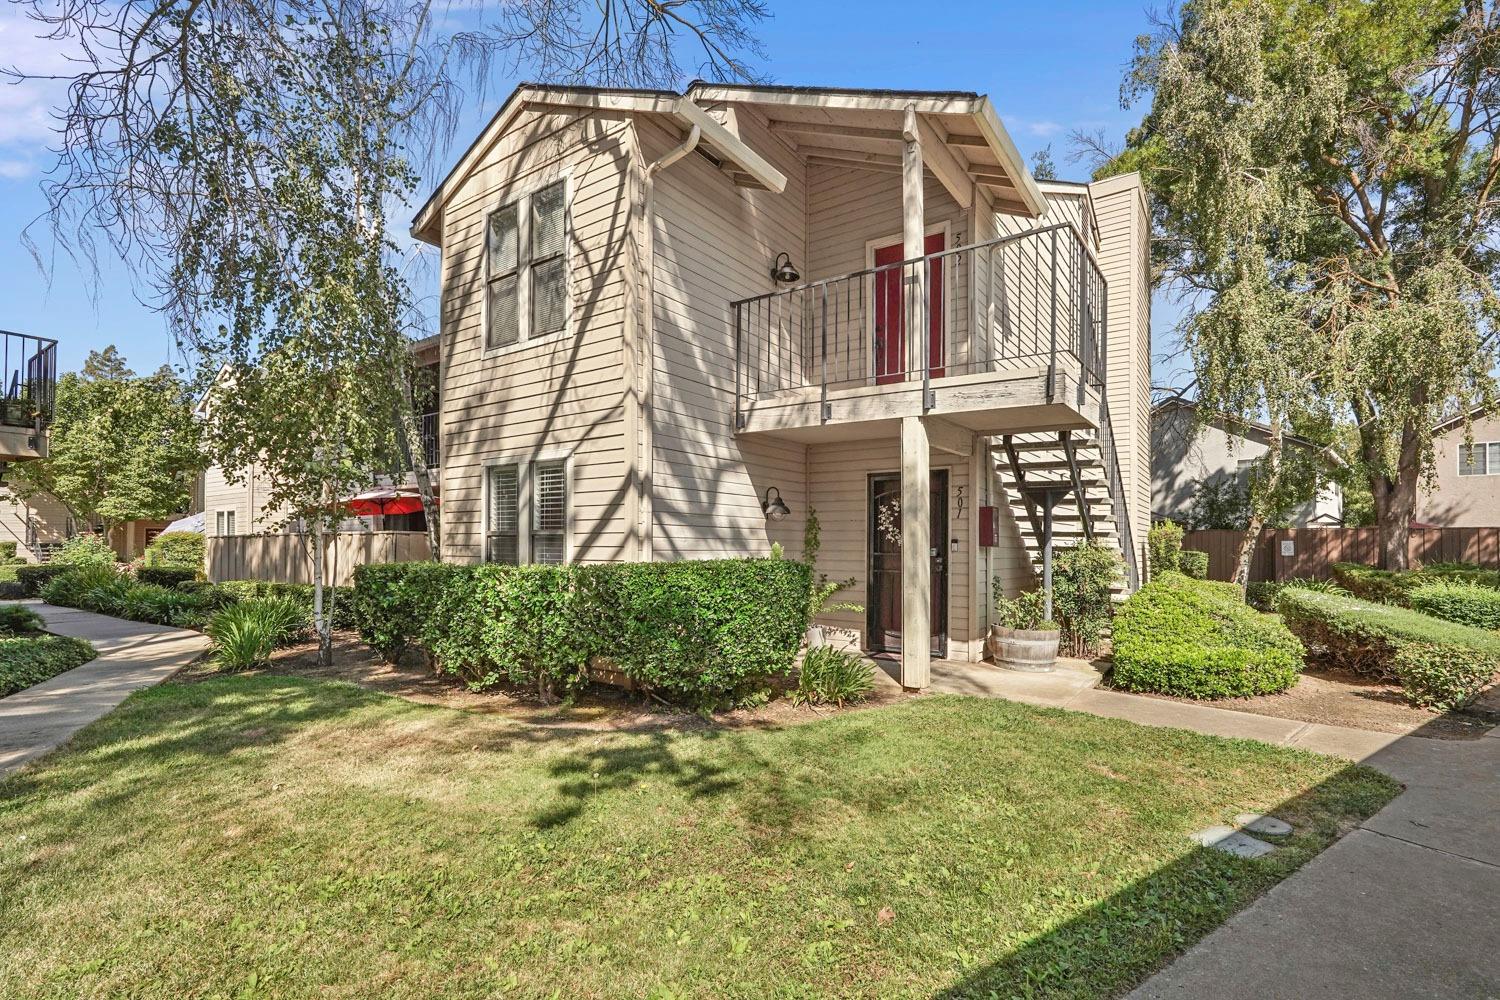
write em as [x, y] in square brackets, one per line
[774, 508]
[782, 271]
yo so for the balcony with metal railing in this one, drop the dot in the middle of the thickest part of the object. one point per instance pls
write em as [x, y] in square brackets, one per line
[1006, 335]
[28, 368]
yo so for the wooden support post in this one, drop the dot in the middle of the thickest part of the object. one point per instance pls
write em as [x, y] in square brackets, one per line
[913, 245]
[916, 555]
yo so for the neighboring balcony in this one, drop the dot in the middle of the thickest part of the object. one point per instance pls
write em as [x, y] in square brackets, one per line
[28, 366]
[431, 445]
[1006, 336]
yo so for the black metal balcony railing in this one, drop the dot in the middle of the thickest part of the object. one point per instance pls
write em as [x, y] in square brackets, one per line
[28, 366]
[1026, 300]
[431, 450]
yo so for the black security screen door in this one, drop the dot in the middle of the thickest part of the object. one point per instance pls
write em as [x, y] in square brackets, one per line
[883, 604]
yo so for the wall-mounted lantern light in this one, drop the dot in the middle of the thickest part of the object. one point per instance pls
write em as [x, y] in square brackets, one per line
[782, 271]
[774, 508]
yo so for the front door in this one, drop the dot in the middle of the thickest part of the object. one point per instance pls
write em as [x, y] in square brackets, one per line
[883, 600]
[890, 313]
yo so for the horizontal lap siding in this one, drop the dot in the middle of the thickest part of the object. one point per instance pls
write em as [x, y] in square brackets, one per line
[47, 517]
[563, 395]
[714, 243]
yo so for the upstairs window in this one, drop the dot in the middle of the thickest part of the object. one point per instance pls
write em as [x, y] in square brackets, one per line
[526, 268]
[1482, 458]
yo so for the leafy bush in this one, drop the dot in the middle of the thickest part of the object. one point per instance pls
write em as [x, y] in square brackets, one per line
[1082, 601]
[105, 591]
[34, 578]
[243, 635]
[1262, 594]
[1027, 610]
[71, 589]
[12, 590]
[85, 550]
[1465, 603]
[338, 602]
[833, 676]
[1193, 563]
[165, 576]
[25, 661]
[1164, 547]
[1197, 639]
[18, 620]
[705, 632]
[1439, 664]
[7, 551]
[1380, 585]
[176, 550]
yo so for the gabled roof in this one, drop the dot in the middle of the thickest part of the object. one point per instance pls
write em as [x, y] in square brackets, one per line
[1234, 425]
[964, 142]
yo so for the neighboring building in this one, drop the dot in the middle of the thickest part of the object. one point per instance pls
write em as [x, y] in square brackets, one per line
[38, 526]
[28, 388]
[1465, 491]
[673, 323]
[240, 507]
[1186, 454]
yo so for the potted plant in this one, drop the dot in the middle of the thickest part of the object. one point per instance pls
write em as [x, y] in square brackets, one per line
[1020, 638]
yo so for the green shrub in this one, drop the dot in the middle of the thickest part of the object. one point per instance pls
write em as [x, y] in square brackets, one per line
[12, 590]
[25, 661]
[71, 589]
[175, 550]
[1439, 664]
[243, 635]
[1262, 594]
[165, 576]
[705, 632]
[1082, 600]
[1197, 639]
[1164, 547]
[18, 620]
[833, 676]
[1465, 603]
[1380, 585]
[34, 578]
[1193, 563]
[85, 550]
[7, 551]
[338, 602]
[1027, 610]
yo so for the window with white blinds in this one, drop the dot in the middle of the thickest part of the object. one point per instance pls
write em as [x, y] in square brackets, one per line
[1482, 458]
[526, 503]
[502, 529]
[526, 268]
[224, 522]
[549, 512]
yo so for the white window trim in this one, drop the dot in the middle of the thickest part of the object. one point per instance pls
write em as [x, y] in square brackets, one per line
[522, 200]
[525, 499]
[946, 228]
[1489, 467]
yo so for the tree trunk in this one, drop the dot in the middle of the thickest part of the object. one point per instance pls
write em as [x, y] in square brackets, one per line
[1258, 504]
[410, 436]
[320, 621]
[1395, 499]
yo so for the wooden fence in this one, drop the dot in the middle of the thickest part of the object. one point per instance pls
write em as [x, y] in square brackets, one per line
[287, 557]
[1290, 553]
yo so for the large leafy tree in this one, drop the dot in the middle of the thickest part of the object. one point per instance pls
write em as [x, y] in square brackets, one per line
[1325, 180]
[122, 446]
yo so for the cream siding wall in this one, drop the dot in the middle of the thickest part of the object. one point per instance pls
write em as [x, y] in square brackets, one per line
[246, 496]
[41, 519]
[714, 243]
[563, 395]
[1124, 256]
[1462, 501]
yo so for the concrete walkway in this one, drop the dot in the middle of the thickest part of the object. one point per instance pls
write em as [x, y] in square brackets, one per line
[1405, 906]
[131, 656]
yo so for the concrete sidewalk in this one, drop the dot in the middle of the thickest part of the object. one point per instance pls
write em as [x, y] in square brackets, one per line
[1407, 905]
[131, 656]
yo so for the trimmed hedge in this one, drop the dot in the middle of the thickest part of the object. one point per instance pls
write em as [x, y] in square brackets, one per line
[103, 590]
[34, 578]
[1198, 639]
[176, 550]
[706, 632]
[1382, 586]
[165, 576]
[1439, 664]
[25, 661]
[1465, 603]
[1193, 563]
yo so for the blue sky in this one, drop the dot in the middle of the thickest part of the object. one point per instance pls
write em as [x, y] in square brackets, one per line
[1048, 68]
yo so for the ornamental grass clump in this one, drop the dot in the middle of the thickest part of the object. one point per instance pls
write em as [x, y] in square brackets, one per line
[243, 635]
[831, 676]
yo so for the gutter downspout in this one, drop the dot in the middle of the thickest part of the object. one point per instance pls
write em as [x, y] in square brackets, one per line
[648, 324]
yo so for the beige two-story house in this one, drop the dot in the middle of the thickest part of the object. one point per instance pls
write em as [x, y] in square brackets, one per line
[675, 323]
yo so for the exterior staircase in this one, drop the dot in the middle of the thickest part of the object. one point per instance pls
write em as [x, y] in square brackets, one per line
[1077, 471]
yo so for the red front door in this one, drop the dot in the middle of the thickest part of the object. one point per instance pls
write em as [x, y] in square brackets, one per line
[890, 328]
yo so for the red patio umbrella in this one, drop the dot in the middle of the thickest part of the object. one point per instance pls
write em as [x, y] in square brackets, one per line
[384, 501]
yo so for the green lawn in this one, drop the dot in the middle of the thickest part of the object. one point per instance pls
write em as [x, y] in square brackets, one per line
[279, 837]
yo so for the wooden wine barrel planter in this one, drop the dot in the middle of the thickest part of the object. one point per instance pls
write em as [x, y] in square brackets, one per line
[1031, 650]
